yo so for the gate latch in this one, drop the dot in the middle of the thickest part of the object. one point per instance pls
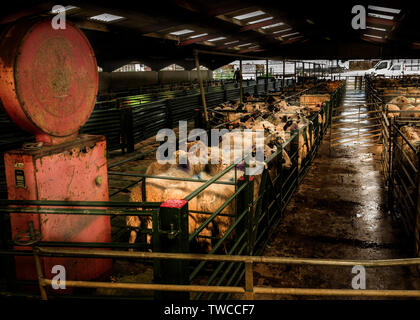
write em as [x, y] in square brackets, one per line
[172, 233]
[28, 237]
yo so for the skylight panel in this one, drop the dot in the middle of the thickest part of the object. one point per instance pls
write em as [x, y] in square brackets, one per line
[230, 42]
[273, 25]
[199, 35]
[249, 15]
[181, 32]
[284, 30]
[106, 17]
[372, 36]
[260, 20]
[290, 34]
[383, 9]
[217, 39]
[381, 16]
[375, 28]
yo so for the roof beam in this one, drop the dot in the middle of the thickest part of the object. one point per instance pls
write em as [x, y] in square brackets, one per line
[372, 39]
[199, 39]
[90, 25]
[227, 8]
[379, 21]
[157, 27]
[230, 45]
[250, 50]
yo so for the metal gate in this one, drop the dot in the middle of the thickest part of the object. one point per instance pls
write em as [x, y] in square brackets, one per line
[355, 120]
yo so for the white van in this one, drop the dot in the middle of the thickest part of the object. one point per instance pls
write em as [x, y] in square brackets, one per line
[387, 68]
[392, 69]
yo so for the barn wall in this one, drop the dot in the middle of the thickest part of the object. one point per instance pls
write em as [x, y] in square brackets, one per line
[173, 76]
[205, 74]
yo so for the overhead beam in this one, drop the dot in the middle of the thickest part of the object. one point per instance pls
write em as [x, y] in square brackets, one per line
[157, 27]
[90, 25]
[199, 39]
[227, 8]
[250, 50]
[383, 22]
[372, 39]
[230, 45]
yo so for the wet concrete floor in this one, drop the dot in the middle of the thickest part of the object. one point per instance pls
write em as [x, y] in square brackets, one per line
[339, 212]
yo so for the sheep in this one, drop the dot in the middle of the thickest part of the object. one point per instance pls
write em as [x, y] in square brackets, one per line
[157, 191]
[401, 102]
[189, 169]
[209, 200]
[392, 107]
[277, 119]
[413, 114]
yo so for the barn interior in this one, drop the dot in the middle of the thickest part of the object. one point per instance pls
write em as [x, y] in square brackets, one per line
[334, 212]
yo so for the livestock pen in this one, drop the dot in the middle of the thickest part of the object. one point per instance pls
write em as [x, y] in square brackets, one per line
[256, 211]
[399, 156]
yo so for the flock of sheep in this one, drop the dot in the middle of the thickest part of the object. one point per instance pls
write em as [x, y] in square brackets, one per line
[412, 133]
[276, 117]
[405, 104]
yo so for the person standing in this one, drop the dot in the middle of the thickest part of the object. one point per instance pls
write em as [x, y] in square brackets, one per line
[237, 75]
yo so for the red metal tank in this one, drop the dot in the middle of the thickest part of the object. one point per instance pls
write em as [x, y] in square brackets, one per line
[48, 79]
[48, 86]
[72, 171]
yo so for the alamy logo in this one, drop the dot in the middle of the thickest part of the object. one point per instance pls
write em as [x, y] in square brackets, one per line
[59, 280]
[359, 280]
[59, 20]
[359, 20]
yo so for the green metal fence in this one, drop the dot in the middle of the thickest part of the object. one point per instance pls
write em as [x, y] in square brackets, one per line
[399, 157]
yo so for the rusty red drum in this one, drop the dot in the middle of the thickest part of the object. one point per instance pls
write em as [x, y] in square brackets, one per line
[48, 79]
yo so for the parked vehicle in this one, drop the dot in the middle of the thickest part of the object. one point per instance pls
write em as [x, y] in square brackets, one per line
[387, 68]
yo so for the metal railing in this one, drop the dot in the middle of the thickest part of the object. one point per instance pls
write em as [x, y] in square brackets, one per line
[399, 158]
[248, 290]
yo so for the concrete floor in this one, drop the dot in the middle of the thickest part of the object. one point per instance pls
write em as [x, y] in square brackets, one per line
[339, 212]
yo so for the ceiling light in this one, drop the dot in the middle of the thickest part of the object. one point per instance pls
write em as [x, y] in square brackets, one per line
[249, 15]
[290, 34]
[232, 42]
[217, 39]
[260, 20]
[198, 35]
[377, 29]
[383, 9]
[284, 30]
[296, 37]
[381, 16]
[181, 32]
[273, 25]
[244, 44]
[371, 35]
[106, 17]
